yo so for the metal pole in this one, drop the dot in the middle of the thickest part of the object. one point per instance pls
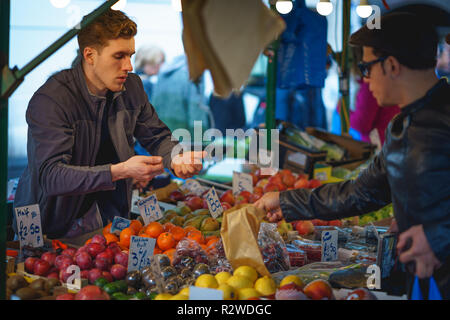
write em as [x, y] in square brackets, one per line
[4, 60]
[271, 89]
[344, 83]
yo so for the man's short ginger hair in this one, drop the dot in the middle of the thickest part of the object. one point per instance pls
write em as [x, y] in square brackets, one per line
[113, 24]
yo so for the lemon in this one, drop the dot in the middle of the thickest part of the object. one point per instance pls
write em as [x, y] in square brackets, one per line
[266, 286]
[206, 281]
[247, 293]
[179, 297]
[222, 277]
[229, 293]
[292, 278]
[239, 282]
[163, 296]
[184, 291]
[246, 271]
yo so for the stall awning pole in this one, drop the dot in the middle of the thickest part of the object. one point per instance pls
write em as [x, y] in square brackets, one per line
[271, 87]
[4, 60]
[344, 83]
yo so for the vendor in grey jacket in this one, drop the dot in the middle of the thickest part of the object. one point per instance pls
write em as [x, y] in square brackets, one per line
[412, 170]
[81, 125]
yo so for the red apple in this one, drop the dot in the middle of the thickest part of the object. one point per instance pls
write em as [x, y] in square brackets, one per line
[66, 296]
[246, 194]
[176, 196]
[262, 183]
[205, 204]
[118, 271]
[225, 206]
[108, 255]
[102, 263]
[240, 200]
[281, 186]
[336, 223]
[84, 261]
[64, 274]
[228, 196]
[107, 276]
[95, 248]
[318, 222]
[301, 183]
[100, 239]
[121, 258]
[114, 247]
[91, 293]
[69, 252]
[53, 275]
[94, 274]
[195, 203]
[289, 180]
[304, 227]
[254, 197]
[276, 179]
[314, 183]
[41, 268]
[270, 187]
[84, 274]
[258, 190]
[29, 264]
[318, 290]
[81, 249]
[63, 261]
[49, 257]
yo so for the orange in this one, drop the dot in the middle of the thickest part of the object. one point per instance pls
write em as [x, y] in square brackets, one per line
[88, 241]
[154, 229]
[136, 225]
[203, 247]
[107, 229]
[196, 236]
[125, 236]
[111, 238]
[190, 228]
[211, 243]
[168, 226]
[157, 250]
[165, 241]
[170, 253]
[178, 233]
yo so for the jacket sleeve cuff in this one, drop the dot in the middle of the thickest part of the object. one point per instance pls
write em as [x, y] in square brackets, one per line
[437, 236]
[288, 208]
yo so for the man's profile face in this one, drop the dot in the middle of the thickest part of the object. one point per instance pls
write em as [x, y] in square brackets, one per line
[379, 82]
[113, 63]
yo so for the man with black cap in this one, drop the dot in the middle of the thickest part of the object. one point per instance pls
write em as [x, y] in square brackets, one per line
[412, 171]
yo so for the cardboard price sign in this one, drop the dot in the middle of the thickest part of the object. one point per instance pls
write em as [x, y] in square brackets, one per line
[214, 205]
[330, 245]
[29, 228]
[194, 187]
[140, 252]
[242, 182]
[149, 209]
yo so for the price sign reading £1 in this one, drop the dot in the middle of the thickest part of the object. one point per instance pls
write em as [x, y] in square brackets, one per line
[214, 205]
[29, 229]
[149, 209]
[140, 252]
[329, 245]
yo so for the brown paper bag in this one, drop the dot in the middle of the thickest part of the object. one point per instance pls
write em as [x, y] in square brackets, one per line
[240, 227]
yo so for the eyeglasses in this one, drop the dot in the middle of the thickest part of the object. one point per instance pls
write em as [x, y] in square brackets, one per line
[365, 67]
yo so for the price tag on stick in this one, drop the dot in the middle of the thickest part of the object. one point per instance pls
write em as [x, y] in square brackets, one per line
[149, 209]
[242, 182]
[330, 245]
[29, 229]
[118, 224]
[214, 205]
[140, 252]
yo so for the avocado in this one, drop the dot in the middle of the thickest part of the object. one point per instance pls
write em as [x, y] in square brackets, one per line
[182, 211]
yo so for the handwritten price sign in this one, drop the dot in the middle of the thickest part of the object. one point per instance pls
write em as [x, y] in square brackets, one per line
[140, 252]
[214, 205]
[149, 209]
[193, 187]
[118, 224]
[330, 245]
[29, 229]
[242, 182]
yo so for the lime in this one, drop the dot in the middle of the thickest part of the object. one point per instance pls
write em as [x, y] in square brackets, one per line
[120, 296]
[100, 282]
[111, 288]
[122, 286]
[140, 296]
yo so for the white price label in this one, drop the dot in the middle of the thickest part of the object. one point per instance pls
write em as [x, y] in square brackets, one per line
[329, 245]
[149, 209]
[197, 293]
[140, 252]
[194, 187]
[29, 228]
[214, 205]
[242, 182]
[118, 224]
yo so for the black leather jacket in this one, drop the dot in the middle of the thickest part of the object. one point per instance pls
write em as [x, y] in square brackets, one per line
[412, 171]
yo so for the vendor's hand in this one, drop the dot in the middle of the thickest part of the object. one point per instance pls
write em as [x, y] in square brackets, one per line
[420, 252]
[270, 203]
[140, 184]
[188, 164]
[141, 168]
